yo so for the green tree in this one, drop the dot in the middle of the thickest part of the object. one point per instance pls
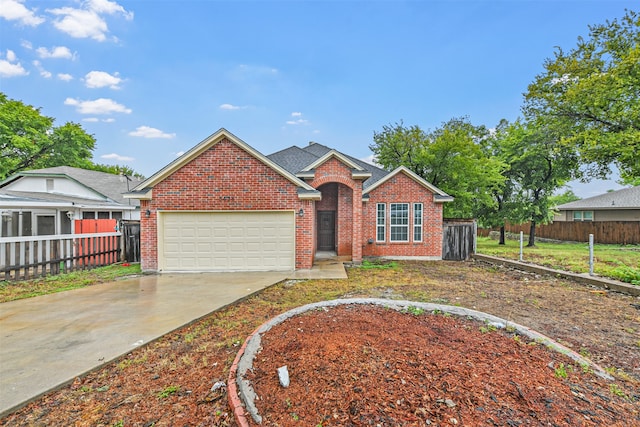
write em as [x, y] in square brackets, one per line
[497, 214]
[561, 199]
[592, 93]
[116, 170]
[29, 140]
[452, 158]
[539, 165]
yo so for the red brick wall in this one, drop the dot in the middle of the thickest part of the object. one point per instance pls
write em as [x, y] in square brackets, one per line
[344, 221]
[329, 200]
[225, 177]
[402, 189]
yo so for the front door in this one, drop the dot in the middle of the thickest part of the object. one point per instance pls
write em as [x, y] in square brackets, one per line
[326, 230]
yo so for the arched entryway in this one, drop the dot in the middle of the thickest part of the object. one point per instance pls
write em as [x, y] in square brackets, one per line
[334, 213]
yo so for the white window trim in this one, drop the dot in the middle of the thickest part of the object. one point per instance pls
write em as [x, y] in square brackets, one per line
[391, 225]
[382, 225]
[418, 222]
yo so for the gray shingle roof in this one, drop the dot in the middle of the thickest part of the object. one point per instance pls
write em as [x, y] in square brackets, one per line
[294, 159]
[108, 185]
[627, 198]
[29, 196]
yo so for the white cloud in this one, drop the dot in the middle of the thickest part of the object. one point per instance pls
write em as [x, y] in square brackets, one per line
[98, 79]
[117, 157]
[149, 132]
[88, 22]
[109, 8]
[371, 160]
[44, 73]
[96, 120]
[65, 77]
[179, 153]
[297, 121]
[57, 52]
[9, 67]
[229, 107]
[97, 106]
[14, 10]
[26, 44]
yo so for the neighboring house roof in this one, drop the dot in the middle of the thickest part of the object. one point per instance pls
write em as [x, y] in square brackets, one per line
[627, 198]
[109, 188]
[34, 198]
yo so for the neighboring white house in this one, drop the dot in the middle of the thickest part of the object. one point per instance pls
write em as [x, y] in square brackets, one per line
[621, 205]
[46, 201]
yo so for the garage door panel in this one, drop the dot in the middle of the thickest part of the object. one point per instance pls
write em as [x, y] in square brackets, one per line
[219, 241]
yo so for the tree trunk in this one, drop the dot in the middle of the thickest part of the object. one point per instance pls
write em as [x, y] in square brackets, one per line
[501, 242]
[532, 234]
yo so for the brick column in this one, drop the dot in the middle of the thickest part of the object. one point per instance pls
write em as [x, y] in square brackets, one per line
[356, 244]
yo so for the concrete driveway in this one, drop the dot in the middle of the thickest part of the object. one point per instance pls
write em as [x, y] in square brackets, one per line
[49, 340]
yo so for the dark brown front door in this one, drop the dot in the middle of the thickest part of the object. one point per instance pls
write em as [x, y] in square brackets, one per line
[326, 230]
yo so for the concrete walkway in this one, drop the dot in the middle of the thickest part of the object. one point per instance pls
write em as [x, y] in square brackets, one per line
[49, 340]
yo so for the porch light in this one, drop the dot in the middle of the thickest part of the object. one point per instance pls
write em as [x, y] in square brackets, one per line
[301, 212]
[147, 213]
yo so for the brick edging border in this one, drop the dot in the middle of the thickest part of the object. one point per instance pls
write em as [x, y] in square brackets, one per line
[601, 282]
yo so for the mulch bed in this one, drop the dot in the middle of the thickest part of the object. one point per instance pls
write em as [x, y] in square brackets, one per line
[367, 365]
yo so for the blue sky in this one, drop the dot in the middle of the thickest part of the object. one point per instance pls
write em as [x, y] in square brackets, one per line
[151, 79]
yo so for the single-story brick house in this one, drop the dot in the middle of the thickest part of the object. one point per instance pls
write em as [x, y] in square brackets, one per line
[223, 206]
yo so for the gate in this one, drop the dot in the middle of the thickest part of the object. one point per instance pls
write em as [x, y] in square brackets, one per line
[458, 239]
[131, 240]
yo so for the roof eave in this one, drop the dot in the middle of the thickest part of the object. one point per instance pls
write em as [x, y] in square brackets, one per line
[442, 199]
[304, 194]
[361, 175]
[144, 194]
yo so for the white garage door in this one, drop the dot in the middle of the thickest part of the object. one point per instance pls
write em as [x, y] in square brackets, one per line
[226, 241]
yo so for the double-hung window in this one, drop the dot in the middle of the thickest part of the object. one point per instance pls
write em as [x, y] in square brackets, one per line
[381, 222]
[417, 222]
[399, 222]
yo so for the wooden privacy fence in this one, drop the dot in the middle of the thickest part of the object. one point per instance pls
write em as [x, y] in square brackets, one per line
[27, 257]
[610, 232]
[458, 239]
[131, 240]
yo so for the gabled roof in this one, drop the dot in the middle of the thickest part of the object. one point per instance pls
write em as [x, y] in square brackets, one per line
[439, 195]
[627, 198]
[297, 160]
[107, 187]
[145, 188]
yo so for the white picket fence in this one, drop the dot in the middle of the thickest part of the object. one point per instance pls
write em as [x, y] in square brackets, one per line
[34, 256]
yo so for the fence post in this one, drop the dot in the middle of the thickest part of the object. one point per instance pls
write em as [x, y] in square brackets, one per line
[521, 244]
[590, 254]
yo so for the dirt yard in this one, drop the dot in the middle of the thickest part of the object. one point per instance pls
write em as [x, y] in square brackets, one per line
[169, 382]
